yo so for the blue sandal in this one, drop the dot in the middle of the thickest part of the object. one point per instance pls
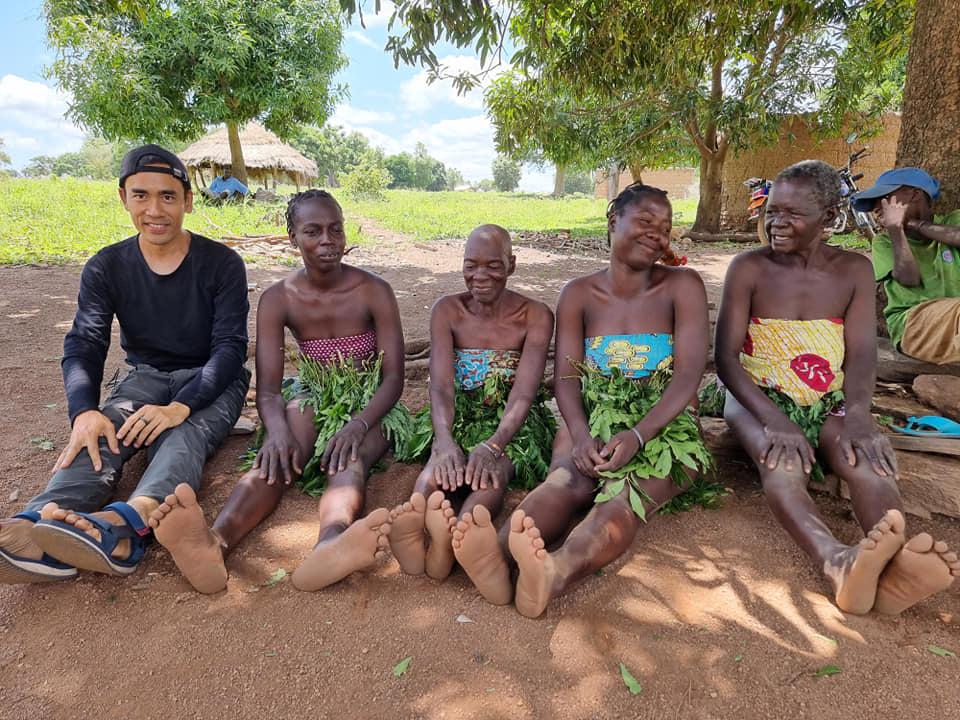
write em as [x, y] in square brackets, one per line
[930, 426]
[16, 569]
[76, 547]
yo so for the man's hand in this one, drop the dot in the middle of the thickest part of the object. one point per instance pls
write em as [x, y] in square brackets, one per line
[88, 428]
[892, 213]
[146, 424]
[483, 469]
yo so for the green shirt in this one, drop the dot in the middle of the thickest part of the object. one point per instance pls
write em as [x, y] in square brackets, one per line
[939, 276]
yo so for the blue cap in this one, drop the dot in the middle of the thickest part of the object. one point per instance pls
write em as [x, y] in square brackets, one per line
[891, 181]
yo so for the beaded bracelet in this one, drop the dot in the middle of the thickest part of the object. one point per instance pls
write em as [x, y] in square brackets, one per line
[494, 452]
[366, 425]
[495, 447]
[639, 436]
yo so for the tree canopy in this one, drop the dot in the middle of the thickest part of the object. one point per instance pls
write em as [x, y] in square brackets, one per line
[722, 72]
[156, 69]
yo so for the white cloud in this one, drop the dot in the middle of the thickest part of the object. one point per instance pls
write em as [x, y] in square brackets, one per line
[346, 115]
[371, 19]
[363, 39]
[419, 96]
[32, 120]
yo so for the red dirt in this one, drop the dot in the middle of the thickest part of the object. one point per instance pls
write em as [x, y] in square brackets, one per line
[715, 613]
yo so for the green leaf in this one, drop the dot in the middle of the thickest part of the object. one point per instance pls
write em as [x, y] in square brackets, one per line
[826, 670]
[637, 504]
[276, 577]
[940, 651]
[738, 658]
[401, 667]
[630, 681]
[828, 639]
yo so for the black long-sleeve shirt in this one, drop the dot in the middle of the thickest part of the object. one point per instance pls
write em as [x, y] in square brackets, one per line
[194, 317]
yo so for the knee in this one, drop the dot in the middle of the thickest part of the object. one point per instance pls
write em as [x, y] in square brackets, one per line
[780, 481]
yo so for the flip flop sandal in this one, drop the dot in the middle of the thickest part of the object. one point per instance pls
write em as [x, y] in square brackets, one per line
[76, 547]
[930, 426]
[16, 569]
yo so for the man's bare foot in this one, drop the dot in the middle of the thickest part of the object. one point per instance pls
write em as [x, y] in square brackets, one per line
[22, 560]
[180, 527]
[356, 548]
[478, 551]
[440, 520]
[52, 511]
[407, 542]
[923, 567]
[856, 571]
[538, 572]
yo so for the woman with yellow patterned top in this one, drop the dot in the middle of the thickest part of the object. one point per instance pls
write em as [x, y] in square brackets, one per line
[796, 351]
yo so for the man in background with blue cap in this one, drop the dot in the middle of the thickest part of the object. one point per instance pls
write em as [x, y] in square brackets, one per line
[918, 260]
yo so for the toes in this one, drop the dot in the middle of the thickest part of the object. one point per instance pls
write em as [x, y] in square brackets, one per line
[436, 500]
[481, 515]
[940, 547]
[380, 516]
[516, 521]
[418, 502]
[920, 543]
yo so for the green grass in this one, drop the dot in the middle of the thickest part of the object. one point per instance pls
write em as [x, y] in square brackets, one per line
[431, 216]
[66, 220]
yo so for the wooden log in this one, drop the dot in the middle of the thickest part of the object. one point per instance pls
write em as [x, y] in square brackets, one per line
[894, 366]
[925, 443]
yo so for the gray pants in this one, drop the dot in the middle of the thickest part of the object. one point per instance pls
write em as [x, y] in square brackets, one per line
[176, 456]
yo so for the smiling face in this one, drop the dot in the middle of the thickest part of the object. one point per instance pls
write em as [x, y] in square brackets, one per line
[640, 232]
[487, 263]
[795, 219]
[318, 232]
[157, 203]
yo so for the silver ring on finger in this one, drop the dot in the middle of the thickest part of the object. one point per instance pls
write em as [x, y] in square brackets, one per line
[143, 419]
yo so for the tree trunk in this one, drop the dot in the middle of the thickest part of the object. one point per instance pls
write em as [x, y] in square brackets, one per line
[636, 170]
[236, 153]
[613, 182]
[931, 99]
[711, 182]
[558, 180]
[331, 179]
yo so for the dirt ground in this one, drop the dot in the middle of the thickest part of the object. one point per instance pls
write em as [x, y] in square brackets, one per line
[715, 613]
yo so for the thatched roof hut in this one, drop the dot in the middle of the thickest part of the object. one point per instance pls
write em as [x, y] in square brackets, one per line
[265, 156]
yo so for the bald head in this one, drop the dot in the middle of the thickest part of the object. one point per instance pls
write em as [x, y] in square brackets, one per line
[489, 236]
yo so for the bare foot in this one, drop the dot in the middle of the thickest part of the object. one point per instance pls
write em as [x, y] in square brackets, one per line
[856, 571]
[440, 521]
[407, 542]
[478, 551]
[356, 548]
[21, 559]
[923, 567]
[180, 527]
[538, 572]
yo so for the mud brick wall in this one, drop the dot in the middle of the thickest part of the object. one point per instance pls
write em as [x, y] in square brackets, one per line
[680, 183]
[795, 145]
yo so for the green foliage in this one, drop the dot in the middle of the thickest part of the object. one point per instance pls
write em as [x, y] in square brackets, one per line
[335, 392]
[400, 167]
[809, 418]
[506, 173]
[366, 182]
[476, 417]
[579, 182]
[4, 158]
[615, 403]
[712, 397]
[162, 69]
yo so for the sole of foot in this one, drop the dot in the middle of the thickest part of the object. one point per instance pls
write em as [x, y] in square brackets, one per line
[922, 568]
[865, 562]
[356, 548]
[440, 520]
[477, 549]
[535, 581]
[407, 541]
[179, 525]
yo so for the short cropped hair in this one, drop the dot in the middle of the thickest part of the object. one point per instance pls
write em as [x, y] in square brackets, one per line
[823, 177]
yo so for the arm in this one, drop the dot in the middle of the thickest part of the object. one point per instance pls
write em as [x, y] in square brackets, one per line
[228, 352]
[783, 437]
[446, 457]
[482, 465]
[569, 346]
[893, 217]
[690, 343]
[859, 368]
[278, 455]
[84, 353]
[345, 444]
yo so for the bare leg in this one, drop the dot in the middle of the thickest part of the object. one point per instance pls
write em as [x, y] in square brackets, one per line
[345, 544]
[852, 571]
[922, 568]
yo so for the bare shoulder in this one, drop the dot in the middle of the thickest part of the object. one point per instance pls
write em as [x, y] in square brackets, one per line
[367, 279]
[848, 261]
[681, 277]
[535, 310]
[583, 284]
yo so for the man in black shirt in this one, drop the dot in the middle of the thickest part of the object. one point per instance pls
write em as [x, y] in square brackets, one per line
[181, 303]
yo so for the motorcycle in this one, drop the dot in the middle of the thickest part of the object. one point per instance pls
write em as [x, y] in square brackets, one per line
[864, 222]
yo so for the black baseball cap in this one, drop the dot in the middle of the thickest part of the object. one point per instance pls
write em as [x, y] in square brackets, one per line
[145, 159]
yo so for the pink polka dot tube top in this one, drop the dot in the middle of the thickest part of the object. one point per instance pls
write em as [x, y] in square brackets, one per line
[358, 347]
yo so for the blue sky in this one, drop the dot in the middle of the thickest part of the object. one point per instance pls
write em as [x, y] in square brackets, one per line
[393, 108]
